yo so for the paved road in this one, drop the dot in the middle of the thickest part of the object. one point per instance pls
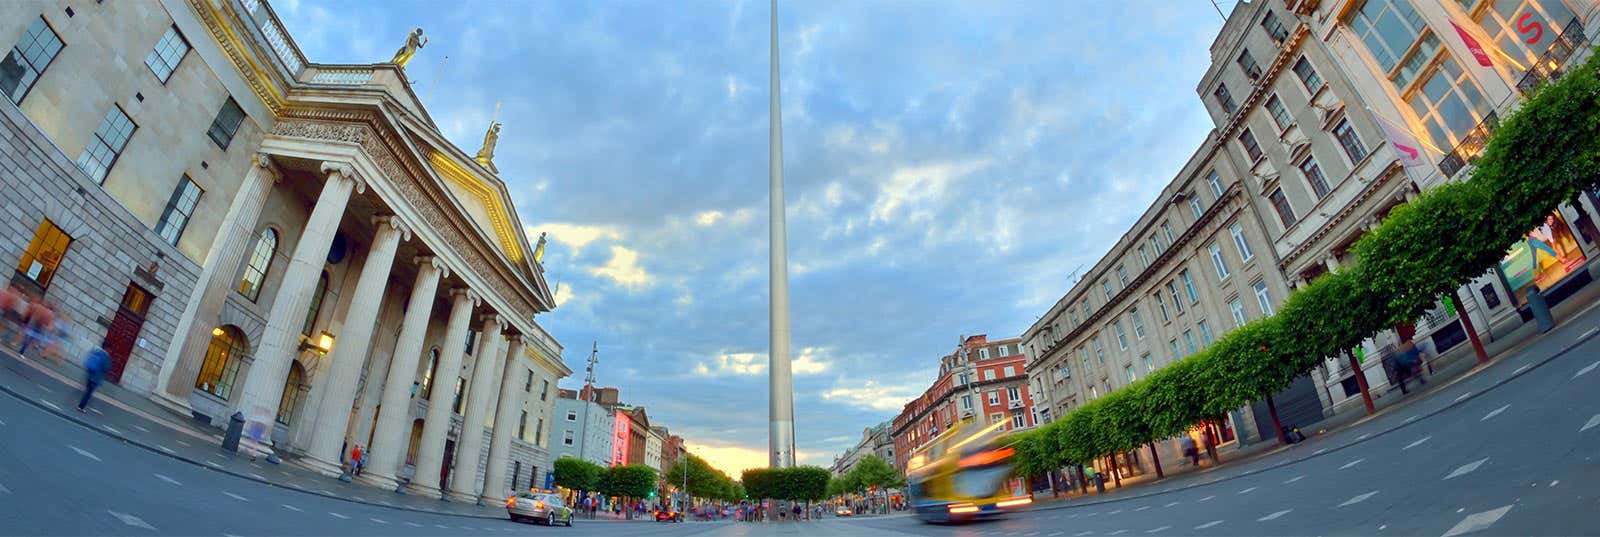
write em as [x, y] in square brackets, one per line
[1515, 459]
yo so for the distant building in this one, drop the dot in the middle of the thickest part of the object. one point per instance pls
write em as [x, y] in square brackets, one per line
[982, 380]
[583, 429]
[875, 440]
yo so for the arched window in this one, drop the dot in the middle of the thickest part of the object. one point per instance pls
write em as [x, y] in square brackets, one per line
[316, 304]
[427, 378]
[292, 393]
[260, 263]
[217, 373]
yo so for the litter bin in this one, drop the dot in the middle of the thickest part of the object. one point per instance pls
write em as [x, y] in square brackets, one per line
[230, 440]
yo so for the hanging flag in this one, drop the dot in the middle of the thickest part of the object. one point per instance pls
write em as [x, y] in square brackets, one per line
[1472, 45]
[1408, 146]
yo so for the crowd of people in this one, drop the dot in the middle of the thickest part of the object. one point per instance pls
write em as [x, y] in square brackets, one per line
[35, 328]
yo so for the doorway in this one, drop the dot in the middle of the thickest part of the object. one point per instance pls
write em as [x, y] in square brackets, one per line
[124, 331]
[444, 469]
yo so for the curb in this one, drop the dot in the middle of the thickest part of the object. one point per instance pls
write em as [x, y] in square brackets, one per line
[1584, 338]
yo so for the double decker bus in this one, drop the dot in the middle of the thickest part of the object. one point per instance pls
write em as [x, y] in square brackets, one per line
[963, 474]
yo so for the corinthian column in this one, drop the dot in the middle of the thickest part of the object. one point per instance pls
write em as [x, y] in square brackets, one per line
[430, 455]
[389, 439]
[187, 352]
[280, 341]
[351, 351]
[469, 450]
[494, 479]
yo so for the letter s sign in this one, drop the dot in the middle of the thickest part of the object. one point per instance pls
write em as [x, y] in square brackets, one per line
[1526, 26]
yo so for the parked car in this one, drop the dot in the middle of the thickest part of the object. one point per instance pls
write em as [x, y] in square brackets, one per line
[668, 516]
[539, 508]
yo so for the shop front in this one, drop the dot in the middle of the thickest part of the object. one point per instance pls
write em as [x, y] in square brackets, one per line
[1550, 259]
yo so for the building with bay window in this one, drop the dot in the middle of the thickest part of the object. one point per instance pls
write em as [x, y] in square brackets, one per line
[248, 231]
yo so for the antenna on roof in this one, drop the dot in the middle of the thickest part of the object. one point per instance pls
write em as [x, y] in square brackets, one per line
[1075, 275]
[1219, 11]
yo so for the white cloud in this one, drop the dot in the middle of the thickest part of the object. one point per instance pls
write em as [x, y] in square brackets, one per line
[873, 394]
[623, 268]
[708, 218]
[574, 236]
[563, 294]
[810, 361]
[916, 185]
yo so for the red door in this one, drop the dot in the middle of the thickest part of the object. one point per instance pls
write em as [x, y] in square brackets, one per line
[125, 329]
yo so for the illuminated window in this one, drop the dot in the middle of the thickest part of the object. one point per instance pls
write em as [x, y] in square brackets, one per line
[1449, 103]
[1525, 28]
[106, 145]
[221, 366]
[179, 208]
[1391, 28]
[293, 394]
[427, 375]
[33, 53]
[44, 253]
[168, 52]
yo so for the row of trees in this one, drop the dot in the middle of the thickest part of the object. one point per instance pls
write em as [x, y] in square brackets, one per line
[704, 481]
[799, 483]
[1546, 152]
[627, 481]
[868, 474]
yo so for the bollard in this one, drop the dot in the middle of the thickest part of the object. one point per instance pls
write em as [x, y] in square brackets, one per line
[1540, 309]
[230, 440]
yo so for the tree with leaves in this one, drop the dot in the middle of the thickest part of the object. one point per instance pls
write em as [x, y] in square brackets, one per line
[577, 474]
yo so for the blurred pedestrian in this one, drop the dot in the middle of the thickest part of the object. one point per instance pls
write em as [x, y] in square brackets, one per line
[12, 303]
[355, 460]
[95, 366]
[1189, 449]
[40, 321]
[1408, 364]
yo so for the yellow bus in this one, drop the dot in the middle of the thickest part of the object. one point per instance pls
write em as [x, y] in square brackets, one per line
[964, 474]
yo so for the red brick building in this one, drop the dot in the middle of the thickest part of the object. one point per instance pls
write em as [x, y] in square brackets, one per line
[981, 380]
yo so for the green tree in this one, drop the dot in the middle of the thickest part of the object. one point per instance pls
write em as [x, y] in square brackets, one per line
[807, 483]
[629, 481]
[577, 474]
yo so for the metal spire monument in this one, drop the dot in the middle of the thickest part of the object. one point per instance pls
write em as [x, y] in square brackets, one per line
[780, 381]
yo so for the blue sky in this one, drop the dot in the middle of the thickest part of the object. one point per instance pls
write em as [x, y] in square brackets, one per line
[947, 165]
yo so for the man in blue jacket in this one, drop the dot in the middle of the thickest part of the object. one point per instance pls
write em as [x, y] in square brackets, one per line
[95, 366]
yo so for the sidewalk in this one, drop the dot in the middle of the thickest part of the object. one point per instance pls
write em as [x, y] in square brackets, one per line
[134, 419]
[1335, 433]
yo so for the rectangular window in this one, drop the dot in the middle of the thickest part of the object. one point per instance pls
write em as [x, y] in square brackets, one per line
[567, 438]
[544, 392]
[44, 253]
[1313, 175]
[1215, 182]
[1094, 393]
[1155, 243]
[1149, 363]
[109, 139]
[1239, 241]
[1122, 335]
[1225, 99]
[1105, 287]
[1083, 354]
[1172, 289]
[1099, 352]
[1161, 304]
[1167, 230]
[572, 415]
[1248, 64]
[988, 374]
[1274, 28]
[1280, 114]
[1263, 297]
[1450, 104]
[1218, 262]
[1127, 372]
[527, 381]
[1122, 276]
[1188, 286]
[1281, 205]
[995, 418]
[168, 52]
[1205, 333]
[33, 53]
[1017, 421]
[1144, 257]
[1251, 148]
[1390, 28]
[1195, 207]
[1346, 134]
[1237, 309]
[994, 397]
[1176, 354]
[538, 433]
[226, 124]
[522, 425]
[1003, 348]
[179, 208]
[1308, 75]
[983, 354]
[966, 402]
[1188, 341]
[1138, 323]
[1011, 371]
[1012, 394]
[1063, 372]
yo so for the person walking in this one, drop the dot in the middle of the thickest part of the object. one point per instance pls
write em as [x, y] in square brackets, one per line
[12, 303]
[1189, 449]
[355, 460]
[1408, 364]
[95, 366]
[40, 322]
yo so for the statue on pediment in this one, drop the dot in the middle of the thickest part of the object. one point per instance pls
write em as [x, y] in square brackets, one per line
[538, 251]
[490, 139]
[414, 41]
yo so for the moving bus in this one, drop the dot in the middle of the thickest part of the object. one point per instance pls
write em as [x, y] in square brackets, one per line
[963, 474]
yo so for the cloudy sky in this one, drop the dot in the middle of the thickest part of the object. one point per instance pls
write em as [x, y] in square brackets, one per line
[947, 165]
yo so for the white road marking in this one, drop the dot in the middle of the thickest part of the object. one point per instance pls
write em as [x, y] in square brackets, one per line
[1419, 442]
[1495, 412]
[1274, 516]
[1208, 498]
[1586, 370]
[1556, 482]
[1247, 491]
[1083, 533]
[1519, 369]
[1141, 508]
[51, 405]
[1478, 521]
[1319, 451]
[292, 508]
[413, 524]
[1411, 419]
[441, 526]
[1363, 436]
[85, 453]
[1170, 504]
[1118, 532]
[46, 390]
[182, 443]
[1055, 533]
[213, 464]
[1592, 422]
[1463, 396]
[1293, 479]
[4, 490]
[1467, 468]
[2, 423]
[258, 477]
[1208, 524]
[1358, 499]
[132, 520]
[167, 449]
[97, 411]
[1351, 464]
[110, 428]
[378, 520]
[236, 496]
[1159, 530]
[140, 428]
[168, 480]
[328, 492]
[1589, 333]
[338, 516]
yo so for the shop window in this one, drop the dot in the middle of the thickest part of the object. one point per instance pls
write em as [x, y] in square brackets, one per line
[221, 366]
[28, 59]
[44, 253]
[1525, 29]
[1546, 255]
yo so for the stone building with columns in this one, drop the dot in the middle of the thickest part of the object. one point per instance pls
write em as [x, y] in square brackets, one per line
[247, 231]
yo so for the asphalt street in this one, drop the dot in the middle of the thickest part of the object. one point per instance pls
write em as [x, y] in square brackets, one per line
[1514, 459]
